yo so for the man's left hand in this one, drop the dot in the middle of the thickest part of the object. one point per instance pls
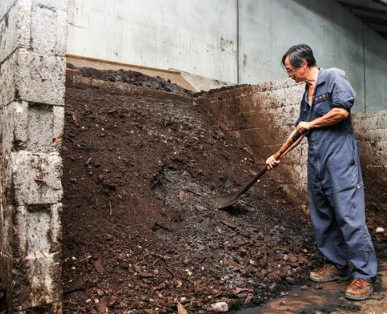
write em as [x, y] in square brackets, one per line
[304, 125]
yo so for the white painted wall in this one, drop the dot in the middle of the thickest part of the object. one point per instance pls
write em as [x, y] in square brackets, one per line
[187, 35]
[179, 34]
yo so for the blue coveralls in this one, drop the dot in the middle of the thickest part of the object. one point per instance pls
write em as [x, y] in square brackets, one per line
[335, 183]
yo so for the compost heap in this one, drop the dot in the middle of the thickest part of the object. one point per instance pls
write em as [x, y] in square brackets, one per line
[141, 229]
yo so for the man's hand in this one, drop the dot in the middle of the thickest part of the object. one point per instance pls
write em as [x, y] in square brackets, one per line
[271, 162]
[303, 125]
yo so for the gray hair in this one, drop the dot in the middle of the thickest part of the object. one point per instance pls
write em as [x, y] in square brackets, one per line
[297, 53]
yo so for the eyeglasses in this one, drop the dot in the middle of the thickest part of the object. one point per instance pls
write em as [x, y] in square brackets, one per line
[290, 70]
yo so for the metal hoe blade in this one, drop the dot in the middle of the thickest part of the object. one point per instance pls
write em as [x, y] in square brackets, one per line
[229, 199]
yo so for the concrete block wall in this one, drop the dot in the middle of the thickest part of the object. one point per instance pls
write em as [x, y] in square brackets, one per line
[371, 130]
[262, 116]
[32, 86]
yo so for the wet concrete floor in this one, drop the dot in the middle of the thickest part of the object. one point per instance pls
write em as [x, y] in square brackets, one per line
[327, 298]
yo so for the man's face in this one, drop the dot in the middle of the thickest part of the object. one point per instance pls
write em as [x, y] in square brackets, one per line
[297, 74]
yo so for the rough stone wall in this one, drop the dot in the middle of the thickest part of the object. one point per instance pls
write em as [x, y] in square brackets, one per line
[32, 85]
[262, 116]
[371, 130]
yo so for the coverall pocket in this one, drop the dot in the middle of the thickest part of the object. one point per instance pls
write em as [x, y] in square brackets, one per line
[343, 167]
[322, 108]
[343, 175]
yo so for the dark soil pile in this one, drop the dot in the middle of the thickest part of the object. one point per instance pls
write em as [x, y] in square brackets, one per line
[133, 78]
[141, 231]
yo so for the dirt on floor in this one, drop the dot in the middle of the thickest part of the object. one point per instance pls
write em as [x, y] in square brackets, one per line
[141, 230]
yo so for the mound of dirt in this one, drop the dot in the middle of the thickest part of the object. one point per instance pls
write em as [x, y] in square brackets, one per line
[131, 77]
[141, 229]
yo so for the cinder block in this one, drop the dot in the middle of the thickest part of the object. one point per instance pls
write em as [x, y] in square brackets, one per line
[381, 148]
[48, 30]
[37, 178]
[6, 180]
[36, 282]
[274, 85]
[253, 137]
[374, 135]
[3, 9]
[5, 6]
[32, 77]
[40, 26]
[6, 229]
[44, 128]
[53, 5]
[33, 127]
[7, 81]
[367, 122]
[15, 30]
[382, 121]
[38, 230]
[6, 130]
[41, 79]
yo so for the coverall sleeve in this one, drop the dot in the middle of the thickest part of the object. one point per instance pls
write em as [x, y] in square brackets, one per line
[343, 95]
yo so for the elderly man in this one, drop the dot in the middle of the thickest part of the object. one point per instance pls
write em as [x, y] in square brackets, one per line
[335, 183]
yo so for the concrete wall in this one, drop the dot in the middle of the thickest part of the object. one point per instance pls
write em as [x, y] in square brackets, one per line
[237, 41]
[335, 35]
[371, 129]
[195, 36]
[32, 84]
[338, 38]
[375, 61]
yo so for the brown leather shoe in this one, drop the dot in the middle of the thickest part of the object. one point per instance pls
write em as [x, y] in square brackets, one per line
[327, 273]
[359, 289]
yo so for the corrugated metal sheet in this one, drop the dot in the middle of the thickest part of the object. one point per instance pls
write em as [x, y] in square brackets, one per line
[371, 12]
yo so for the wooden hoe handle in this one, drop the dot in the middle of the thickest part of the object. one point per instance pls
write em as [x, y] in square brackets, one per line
[291, 140]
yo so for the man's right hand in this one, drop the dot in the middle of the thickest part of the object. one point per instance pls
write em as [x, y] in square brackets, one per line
[271, 162]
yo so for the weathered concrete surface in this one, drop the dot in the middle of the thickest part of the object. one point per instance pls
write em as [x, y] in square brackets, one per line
[14, 29]
[371, 129]
[41, 78]
[31, 127]
[33, 77]
[37, 26]
[36, 178]
[32, 84]
[37, 244]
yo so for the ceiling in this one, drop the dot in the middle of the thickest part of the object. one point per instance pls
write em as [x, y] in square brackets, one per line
[371, 12]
